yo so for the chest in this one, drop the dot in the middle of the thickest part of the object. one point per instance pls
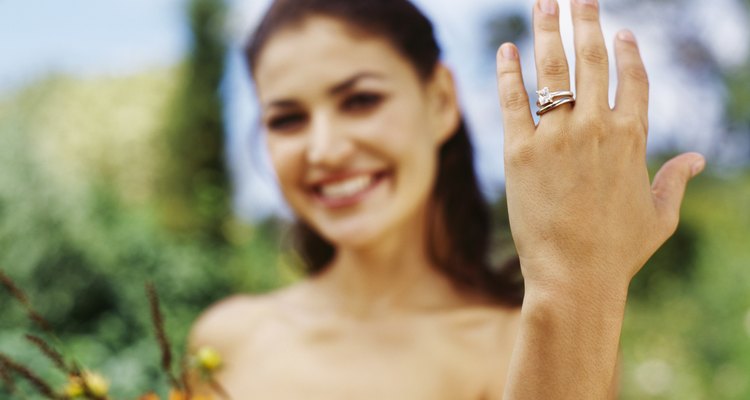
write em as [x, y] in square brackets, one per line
[402, 360]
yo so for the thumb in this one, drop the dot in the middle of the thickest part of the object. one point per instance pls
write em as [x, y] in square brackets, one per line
[669, 183]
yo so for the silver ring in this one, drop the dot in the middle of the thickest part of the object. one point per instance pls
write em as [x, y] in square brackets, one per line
[555, 104]
[546, 97]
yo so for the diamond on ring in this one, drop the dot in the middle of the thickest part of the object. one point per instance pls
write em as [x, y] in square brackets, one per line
[544, 96]
[549, 100]
[547, 97]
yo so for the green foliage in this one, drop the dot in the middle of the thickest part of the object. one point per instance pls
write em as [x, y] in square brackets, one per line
[687, 329]
[506, 27]
[194, 189]
[738, 110]
[82, 245]
[100, 194]
[81, 232]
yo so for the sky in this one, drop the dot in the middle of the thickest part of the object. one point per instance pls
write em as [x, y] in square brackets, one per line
[92, 38]
[87, 38]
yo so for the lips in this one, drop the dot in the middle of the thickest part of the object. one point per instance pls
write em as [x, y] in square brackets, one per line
[346, 190]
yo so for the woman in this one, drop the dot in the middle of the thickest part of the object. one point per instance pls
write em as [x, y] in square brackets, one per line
[366, 138]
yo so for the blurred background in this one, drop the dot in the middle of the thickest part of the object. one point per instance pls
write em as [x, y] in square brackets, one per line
[130, 152]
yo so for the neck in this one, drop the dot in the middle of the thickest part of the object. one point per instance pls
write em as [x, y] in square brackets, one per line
[393, 275]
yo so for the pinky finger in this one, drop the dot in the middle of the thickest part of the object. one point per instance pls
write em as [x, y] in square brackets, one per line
[633, 87]
[514, 101]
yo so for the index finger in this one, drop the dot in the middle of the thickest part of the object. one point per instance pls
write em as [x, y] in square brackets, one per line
[514, 101]
[632, 86]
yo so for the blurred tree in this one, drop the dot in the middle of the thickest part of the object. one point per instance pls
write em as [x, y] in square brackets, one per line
[694, 52]
[194, 197]
[506, 27]
[738, 110]
[675, 262]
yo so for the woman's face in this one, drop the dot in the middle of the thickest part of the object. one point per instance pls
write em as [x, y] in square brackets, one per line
[352, 132]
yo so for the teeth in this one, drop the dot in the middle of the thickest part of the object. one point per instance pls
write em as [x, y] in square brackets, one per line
[346, 188]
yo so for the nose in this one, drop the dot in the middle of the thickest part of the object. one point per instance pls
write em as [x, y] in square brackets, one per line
[328, 144]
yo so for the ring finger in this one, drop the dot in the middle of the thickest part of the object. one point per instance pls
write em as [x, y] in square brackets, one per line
[551, 63]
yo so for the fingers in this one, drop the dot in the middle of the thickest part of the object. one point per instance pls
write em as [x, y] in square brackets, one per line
[551, 63]
[592, 61]
[632, 87]
[514, 100]
[669, 185]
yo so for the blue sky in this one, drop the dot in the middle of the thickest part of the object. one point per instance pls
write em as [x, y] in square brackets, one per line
[87, 37]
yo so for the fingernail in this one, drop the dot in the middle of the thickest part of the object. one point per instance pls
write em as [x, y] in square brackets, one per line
[697, 167]
[548, 7]
[508, 51]
[587, 2]
[626, 36]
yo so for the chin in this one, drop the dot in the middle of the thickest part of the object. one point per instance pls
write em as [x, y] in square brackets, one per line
[352, 234]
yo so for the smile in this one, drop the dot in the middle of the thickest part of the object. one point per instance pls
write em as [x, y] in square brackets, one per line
[347, 191]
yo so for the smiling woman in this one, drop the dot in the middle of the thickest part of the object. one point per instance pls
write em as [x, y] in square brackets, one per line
[366, 138]
[375, 92]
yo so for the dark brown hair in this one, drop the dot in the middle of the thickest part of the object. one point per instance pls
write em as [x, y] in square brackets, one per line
[460, 216]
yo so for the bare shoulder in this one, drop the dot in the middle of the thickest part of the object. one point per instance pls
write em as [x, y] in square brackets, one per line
[506, 321]
[221, 326]
[221, 319]
[483, 328]
[503, 317]
[228, 323]
[497, 341]
[500, 323]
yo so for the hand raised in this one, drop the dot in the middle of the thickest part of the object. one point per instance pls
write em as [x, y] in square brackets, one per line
[582, 209]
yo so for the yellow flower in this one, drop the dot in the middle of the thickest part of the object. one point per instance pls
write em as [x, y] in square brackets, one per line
[96, 384]
[180, 395]
[74, 388]
[177, 395]
[208, 359]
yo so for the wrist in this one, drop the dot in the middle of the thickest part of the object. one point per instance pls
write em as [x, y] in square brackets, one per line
[569, 333]
[578, 295]
[577, 300]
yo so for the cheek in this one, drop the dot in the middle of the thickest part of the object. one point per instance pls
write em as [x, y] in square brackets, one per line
[412, 143]
[402, 128]
[403, 135]
[287, 154]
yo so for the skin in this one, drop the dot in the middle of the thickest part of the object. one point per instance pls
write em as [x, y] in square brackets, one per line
[380, 322]
[579, 249]
[381, 319]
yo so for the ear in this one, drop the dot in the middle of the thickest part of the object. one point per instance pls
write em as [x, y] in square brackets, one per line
[444, 108]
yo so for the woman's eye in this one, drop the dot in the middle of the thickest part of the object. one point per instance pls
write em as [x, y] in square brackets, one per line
[286, 122]
[362, 101]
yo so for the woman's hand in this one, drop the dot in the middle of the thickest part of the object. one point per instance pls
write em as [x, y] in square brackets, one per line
[582, 210]
[583, 214]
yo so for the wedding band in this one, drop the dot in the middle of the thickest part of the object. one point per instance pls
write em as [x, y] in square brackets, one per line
[555, 104]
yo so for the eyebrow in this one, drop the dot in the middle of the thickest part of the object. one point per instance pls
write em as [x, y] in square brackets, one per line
[334, 90]
[349, 83]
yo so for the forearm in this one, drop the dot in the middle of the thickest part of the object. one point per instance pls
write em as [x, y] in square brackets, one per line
[568, 342]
